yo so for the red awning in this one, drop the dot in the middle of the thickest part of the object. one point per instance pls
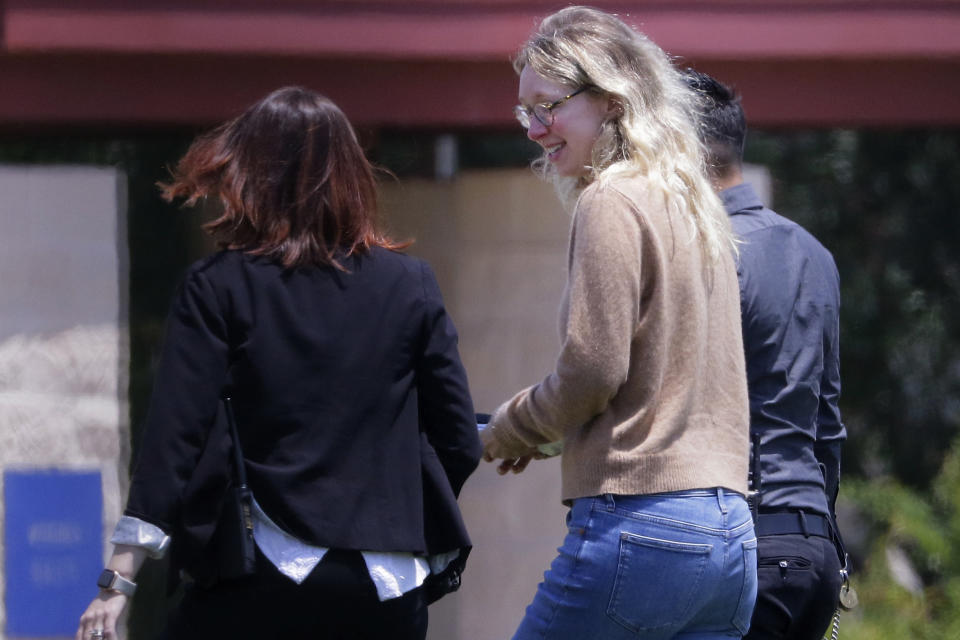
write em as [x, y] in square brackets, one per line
[445, 63]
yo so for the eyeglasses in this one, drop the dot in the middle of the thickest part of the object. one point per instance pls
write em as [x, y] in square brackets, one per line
[543, 112]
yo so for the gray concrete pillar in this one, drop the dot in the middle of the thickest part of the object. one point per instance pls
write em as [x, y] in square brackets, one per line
[64, 421]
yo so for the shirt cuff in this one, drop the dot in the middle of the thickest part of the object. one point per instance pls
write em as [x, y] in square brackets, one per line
[551, 449]
[138, 533]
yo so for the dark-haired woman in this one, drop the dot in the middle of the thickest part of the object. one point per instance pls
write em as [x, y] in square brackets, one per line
[347, 387]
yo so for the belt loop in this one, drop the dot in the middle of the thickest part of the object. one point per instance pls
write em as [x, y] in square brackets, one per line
[803, 524]
[721, 500]
[609, 501]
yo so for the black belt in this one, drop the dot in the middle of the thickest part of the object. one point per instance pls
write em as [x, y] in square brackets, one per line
[791, 522]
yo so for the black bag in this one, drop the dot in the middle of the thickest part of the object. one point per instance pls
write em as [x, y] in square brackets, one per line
[447, 581]
[233, 539]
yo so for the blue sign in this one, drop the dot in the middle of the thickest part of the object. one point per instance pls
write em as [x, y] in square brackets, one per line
[54, 549]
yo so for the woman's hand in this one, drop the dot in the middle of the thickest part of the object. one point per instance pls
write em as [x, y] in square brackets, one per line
[516, 465]
[494, 449]
[104, 612]
[102, 615]
[515, 460]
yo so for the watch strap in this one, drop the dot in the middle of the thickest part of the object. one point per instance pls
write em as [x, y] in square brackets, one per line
[111, 580]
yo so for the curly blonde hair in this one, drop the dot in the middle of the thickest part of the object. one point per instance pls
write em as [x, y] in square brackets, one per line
[653, 132]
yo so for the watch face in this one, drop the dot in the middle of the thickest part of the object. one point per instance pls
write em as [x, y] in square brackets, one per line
[105, 581]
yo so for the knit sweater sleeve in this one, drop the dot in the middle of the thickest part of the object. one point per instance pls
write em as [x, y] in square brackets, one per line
[599, 317]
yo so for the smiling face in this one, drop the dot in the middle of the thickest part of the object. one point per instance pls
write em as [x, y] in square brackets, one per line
[576, 122]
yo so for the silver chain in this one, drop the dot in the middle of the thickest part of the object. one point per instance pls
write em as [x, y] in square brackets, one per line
[835, 626]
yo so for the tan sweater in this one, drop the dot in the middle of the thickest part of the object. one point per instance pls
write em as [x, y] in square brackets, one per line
[649, 391]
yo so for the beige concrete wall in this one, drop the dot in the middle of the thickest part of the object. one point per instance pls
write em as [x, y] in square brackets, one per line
[497, 240]
[63, 345]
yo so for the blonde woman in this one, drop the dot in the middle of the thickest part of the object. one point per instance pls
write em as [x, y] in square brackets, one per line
[649, 392]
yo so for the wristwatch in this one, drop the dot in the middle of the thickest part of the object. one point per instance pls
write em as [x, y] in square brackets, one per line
[112, 581]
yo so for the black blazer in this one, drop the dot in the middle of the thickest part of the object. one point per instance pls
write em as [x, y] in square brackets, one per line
[352, 404]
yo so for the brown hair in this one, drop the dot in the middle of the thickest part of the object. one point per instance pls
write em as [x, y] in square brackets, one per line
[292, 181]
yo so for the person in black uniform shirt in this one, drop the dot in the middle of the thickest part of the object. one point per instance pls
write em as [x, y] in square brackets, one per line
[790, 304]
[351, 402]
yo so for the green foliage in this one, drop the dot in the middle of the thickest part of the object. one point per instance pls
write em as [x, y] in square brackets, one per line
[927, 527]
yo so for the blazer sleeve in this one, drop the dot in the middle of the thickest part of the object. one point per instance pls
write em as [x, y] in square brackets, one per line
[446, 409]
[191, 372]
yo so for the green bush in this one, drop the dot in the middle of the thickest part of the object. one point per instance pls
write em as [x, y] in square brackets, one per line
[927, 529]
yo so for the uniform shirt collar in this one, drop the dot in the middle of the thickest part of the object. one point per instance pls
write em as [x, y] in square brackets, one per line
[739, 198]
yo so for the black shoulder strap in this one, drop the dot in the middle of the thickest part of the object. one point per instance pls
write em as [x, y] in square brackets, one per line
[238, 466]
[754, 481]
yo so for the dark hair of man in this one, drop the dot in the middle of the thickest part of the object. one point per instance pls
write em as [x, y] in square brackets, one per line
[291, 179]
[722, 123]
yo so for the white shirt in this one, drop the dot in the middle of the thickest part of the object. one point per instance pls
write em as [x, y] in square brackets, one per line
[393, 573]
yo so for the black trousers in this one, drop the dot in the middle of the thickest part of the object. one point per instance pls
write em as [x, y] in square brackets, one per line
[337, 601]
[798, 588]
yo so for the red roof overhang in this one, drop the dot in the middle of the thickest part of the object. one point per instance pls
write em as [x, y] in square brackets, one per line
[445, 63]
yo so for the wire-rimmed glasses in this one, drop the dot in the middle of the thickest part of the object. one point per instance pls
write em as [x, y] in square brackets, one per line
[543, 111]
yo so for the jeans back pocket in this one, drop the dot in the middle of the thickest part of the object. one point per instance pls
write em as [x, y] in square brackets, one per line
[748, 589]
[656, 583]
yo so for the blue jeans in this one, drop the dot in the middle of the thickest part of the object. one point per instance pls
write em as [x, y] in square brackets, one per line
[673, 565]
